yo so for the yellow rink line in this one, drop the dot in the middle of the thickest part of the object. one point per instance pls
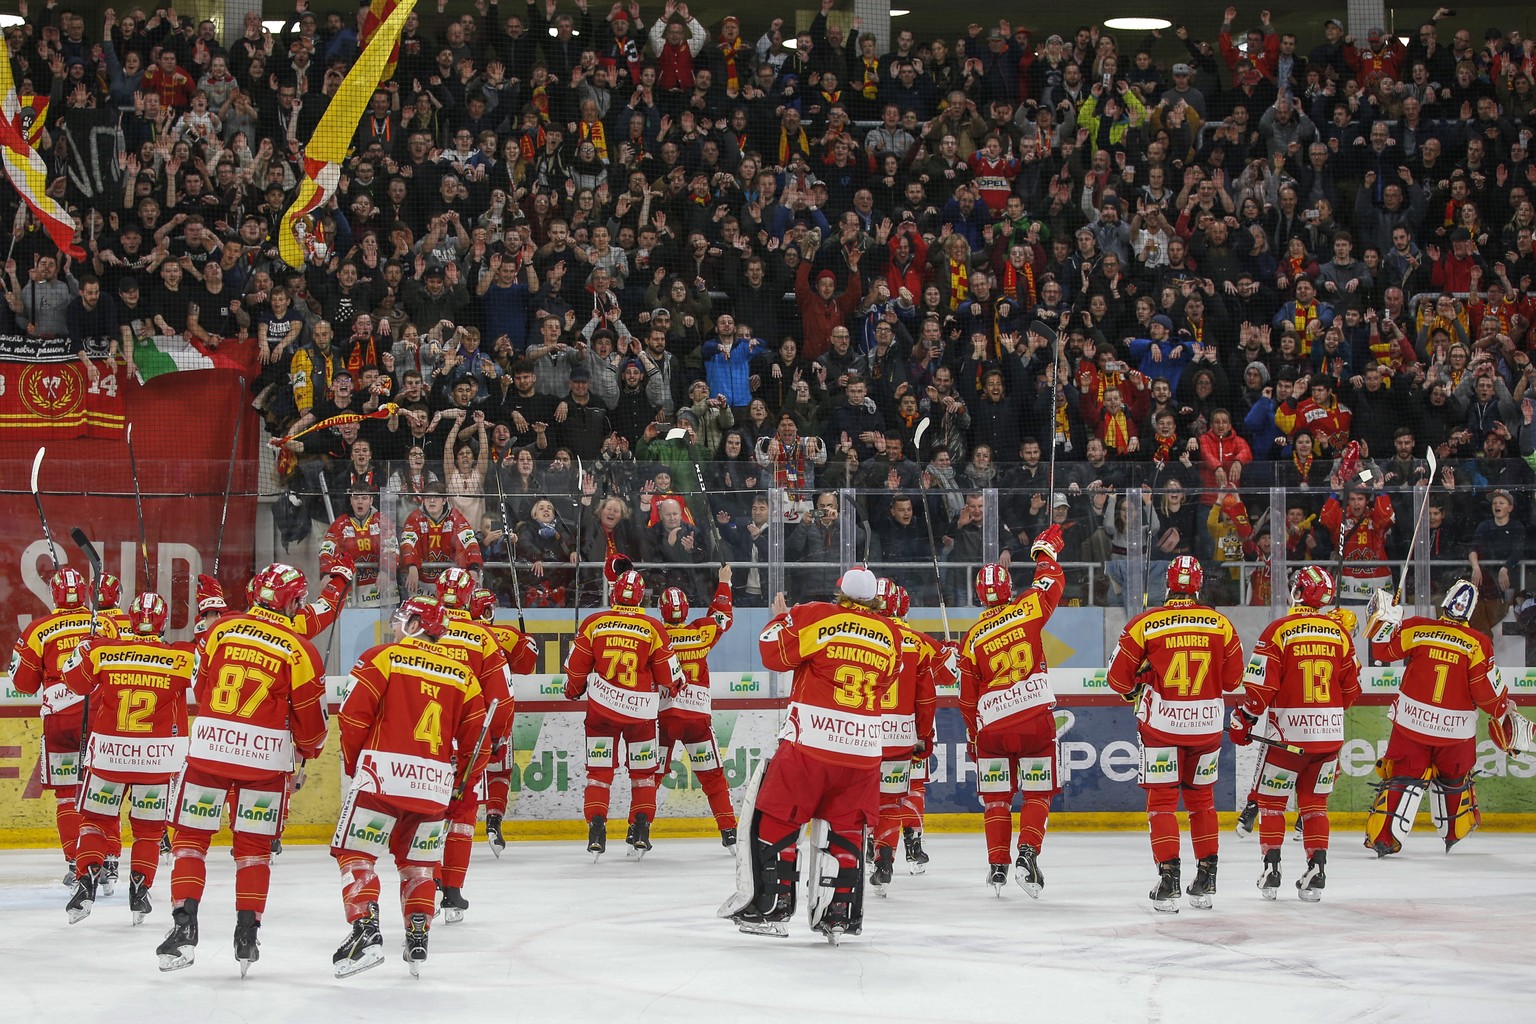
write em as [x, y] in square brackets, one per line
[702, 827]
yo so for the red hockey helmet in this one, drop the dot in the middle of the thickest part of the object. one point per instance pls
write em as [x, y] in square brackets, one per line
[109, 591]
[482, 605]
[993, 585]
[1313, 587]
[148, 614]
[616, 565]
[455, 588]
[674, 606]
[422, 616]
[280, 588]
[903, 602]
[885, 595]
[1185, 575]
[628, 590]
[68, 588]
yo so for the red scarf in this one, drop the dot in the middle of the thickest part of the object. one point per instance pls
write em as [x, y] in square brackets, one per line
[731, 51]
[1011, 277]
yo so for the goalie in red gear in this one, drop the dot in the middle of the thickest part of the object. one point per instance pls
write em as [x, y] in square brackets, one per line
[1449, 673]
[844, 657]
[138, 690]
[906, 729]
[1303, 676]
[36, 668]
[1173, 664]
[620, 660]
[411, 739]
[1008, 704]
[260, 703]
[522, 654]
[479, 649]
[684, 720]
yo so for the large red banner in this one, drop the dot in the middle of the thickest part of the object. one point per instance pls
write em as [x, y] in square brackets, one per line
[183, 426]
[41, 402]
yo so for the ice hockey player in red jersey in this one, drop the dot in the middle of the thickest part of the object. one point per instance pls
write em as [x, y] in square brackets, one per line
[1449, 674]
[684, 719]
[522, 654]
[826, 769]
[1173, 664]
[260, 701]
[621, 660]
[434, 535]
[413, 739]
[1008, 704]
[906, 725]
[477, 647]
[37, 664]
[138, 743]
[1303, 676]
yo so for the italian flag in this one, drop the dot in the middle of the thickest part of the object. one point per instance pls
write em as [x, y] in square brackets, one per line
[168, 353]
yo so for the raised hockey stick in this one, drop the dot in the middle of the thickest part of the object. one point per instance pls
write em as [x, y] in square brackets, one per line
[37, 499]
[93, 557]
[229, 484]
[576, 582]
[506, 540]
[1054, 337]
[1418, 522]
[138, 503]
[933, 550]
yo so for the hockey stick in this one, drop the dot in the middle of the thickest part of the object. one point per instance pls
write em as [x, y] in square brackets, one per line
[1418, 522]
[37, 498]
[933, 550]
[138, 502]
[229, 485]
[576, 582]
[1289, 748]
[1054, 338]
[506, 540]
[93, 557]
[460, 785]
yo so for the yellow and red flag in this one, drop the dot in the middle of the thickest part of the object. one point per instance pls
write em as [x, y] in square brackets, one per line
[286, 460]
[26, 169]
[378, 13]
[34, 114]
[326, 150]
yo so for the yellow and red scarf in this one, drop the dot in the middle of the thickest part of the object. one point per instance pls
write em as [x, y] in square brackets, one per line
[800, 142]
[870, 87]
[959, 284]
[1011, 277]
[1117, 432]
[731, 52]
[592, 131]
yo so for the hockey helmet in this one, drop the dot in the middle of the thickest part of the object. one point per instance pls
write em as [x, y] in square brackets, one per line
[455, 587]
[148, 614]
[68, 588]
[674, 606]
[885, 595]
[109, 591]
[1185, 575]
[859, 586]
[1460, 602]
[482, 605]
[280, 588]
[1312, 587]
[422, 616]
[903, 602]
[615, 566]
[628, 590]
[993, 585]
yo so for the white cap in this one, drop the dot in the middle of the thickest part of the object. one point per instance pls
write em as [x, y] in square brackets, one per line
[857, 584]
[1058, 499]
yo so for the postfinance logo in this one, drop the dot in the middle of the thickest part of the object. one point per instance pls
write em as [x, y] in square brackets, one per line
[376, 832]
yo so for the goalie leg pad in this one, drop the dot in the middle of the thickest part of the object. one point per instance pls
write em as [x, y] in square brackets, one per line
[836, 879]
[1453, 808]
[1391, 815]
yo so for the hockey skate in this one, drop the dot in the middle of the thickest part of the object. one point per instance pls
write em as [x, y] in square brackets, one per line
[108, 881]
[247, 947]
[414, 951]
[1310, 885]
[639, 837]
[277, 847]
[597, 837]
[165, 847]
[728, 839]
[363, 949]
[1165, 894]
[1269, 878]
[1203, 887]
[84, 897]
[68, 881]
[138, 897]
[493, 835]
[1030, 878]
[838, 919]
[1386, 846]
[1296, 830]
[997, 878]
[1246, 819]
[912, 843]
[180, 945]
[451, 903]
[884, 867]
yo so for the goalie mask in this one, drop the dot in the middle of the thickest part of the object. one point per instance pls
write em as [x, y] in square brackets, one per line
[1460, 602]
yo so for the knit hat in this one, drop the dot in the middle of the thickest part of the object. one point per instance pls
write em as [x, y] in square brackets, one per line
[1263, 370]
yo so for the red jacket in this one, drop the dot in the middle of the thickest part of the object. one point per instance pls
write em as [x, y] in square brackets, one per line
[1220, 453]
[818, 316]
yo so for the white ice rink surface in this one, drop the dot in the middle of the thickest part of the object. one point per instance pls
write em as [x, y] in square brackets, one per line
[550, 936]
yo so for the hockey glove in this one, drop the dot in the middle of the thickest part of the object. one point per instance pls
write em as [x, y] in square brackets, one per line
[574, 687]
[1240, 728]
[210, 595]
[1047, 543]
[339, 565]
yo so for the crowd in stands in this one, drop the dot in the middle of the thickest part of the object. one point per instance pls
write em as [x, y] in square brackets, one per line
[622, 272]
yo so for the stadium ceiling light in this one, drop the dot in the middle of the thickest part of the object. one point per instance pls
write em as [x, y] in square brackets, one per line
[1138, 24]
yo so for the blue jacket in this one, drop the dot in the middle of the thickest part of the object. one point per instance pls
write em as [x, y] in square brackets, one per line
[1178, 353]
[730, 375]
